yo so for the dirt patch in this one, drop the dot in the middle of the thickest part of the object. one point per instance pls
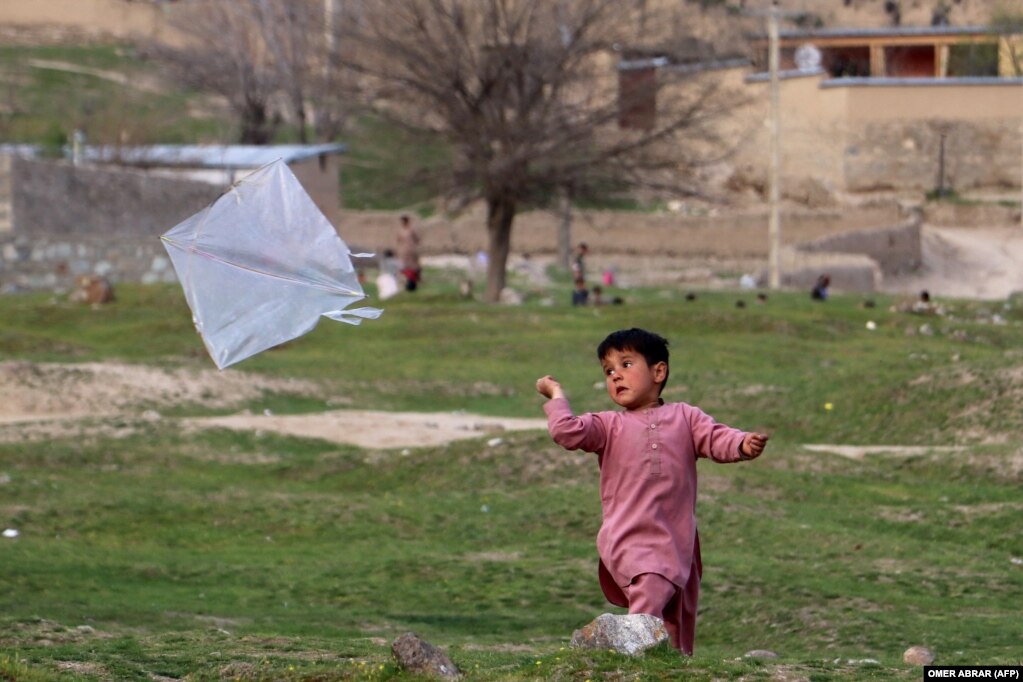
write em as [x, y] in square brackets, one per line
[50, 400]
[374, 430]
[858, 452]
[39, 391]
[82, 668]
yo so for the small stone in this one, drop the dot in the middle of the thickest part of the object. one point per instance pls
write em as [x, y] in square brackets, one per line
[630, 634]
[918, 655]
[418, 656]
[761, 653]
[510, 297]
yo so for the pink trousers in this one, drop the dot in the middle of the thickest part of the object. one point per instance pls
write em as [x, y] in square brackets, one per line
[654, 594]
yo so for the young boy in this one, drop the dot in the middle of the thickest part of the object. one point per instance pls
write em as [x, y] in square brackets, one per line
[648, 545]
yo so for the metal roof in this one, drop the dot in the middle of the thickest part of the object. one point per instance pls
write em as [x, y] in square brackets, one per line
[889, 81]
[891, 31]
[208, 156]
[786, 74]
[689, 67]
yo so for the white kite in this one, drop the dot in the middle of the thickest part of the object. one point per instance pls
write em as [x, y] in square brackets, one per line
[261, 264]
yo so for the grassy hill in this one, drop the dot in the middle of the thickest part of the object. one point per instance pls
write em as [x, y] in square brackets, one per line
[165, 554]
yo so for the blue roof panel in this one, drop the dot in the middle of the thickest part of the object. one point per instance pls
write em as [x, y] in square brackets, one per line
[208, 156]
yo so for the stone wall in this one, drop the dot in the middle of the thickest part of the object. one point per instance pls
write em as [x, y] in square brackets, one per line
[856, 261]
[906, 155]
[896, 250]
[76, 220]
[863, 136]
[56, 198]
[724, 234]
[53, 262]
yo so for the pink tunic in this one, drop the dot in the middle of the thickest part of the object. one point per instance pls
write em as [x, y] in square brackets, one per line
[647, 488]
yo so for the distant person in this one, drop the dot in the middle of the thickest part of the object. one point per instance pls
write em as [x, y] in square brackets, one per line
[924, 305]
[579, 261]
[482, 260]
[387, 280]
[408, 253]
[597, 295]
[648, 542]
[580, 295]
[820, 289]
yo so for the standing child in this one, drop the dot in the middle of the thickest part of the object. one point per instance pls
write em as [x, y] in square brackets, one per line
[408, 252]
[648, 545]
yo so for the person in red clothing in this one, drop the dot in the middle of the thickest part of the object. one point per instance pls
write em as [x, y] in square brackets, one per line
[408, 253]
[648, 543]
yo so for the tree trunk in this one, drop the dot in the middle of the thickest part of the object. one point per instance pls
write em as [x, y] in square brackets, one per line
[255, 123]
[565, 228]
[500, 215]
[300, 114]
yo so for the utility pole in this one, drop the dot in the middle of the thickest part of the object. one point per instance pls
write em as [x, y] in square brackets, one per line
[774, 196]
[328, 37]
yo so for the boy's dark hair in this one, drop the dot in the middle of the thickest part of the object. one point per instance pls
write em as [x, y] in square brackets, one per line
[653, 347]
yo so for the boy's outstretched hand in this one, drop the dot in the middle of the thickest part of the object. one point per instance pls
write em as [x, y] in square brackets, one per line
[549, 387]
[753, 444]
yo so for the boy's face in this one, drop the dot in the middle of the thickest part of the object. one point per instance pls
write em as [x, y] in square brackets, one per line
[631, 382]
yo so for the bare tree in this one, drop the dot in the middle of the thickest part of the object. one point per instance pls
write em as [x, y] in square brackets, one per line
[526, 95]
[289, 30]
[229, 56]
[269, 58]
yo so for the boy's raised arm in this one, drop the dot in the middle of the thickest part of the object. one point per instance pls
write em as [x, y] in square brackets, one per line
[583, 432]
[548, 387]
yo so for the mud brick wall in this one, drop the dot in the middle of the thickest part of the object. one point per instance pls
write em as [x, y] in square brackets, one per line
[897, 250]
[75, 220]
[905, 155]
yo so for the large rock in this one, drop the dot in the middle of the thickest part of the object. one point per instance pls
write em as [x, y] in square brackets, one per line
[918, 655]
[631, 634]
[92, 289]
[416, 655]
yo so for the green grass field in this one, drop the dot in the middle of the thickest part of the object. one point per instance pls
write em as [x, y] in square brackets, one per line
[224, 555]
[43, 101]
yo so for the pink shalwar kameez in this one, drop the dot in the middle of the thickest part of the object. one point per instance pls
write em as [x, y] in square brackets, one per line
[647, 464]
